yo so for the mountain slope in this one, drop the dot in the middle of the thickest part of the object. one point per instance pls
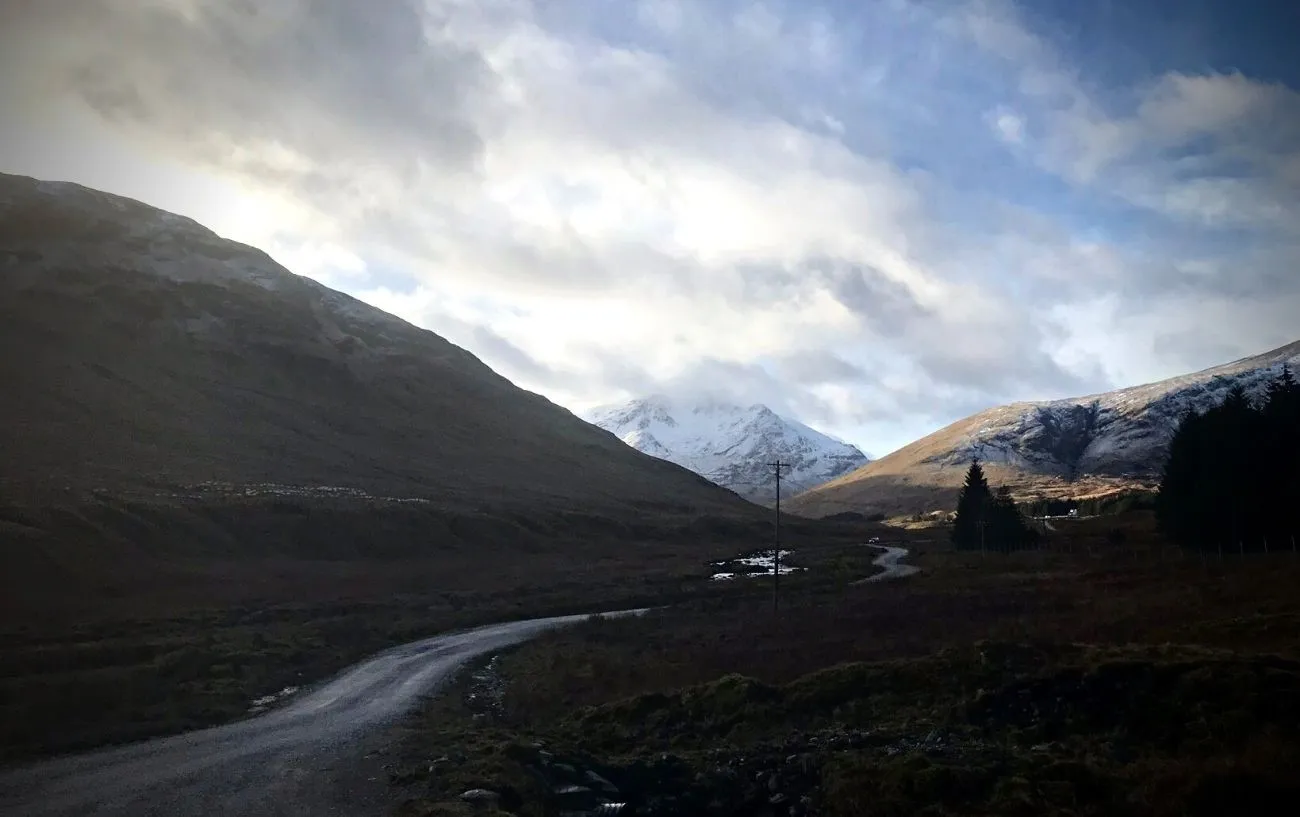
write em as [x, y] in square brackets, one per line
[1072, 448]
[730, 445]
[142, 351]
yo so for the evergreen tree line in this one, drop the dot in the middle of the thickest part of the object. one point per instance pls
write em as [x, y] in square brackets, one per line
[1232, 477]
[987, 520]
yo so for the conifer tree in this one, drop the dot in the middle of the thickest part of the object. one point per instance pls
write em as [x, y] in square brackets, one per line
[1007, 526]
[1232, 476]
[973, 505]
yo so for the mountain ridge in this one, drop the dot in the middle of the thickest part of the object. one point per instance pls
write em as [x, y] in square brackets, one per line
[1075, 447]
[729, 444]
[146, 350]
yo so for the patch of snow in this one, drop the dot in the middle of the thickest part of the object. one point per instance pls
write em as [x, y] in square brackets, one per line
[1121, 433]
[759, 564]
[266, 701]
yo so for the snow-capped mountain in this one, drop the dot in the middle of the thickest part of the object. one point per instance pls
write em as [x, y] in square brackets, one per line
[1072, 447]
[731, 445]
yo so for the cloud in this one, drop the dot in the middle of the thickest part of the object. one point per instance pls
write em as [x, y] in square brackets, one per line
[1211, 148]
[874, 217]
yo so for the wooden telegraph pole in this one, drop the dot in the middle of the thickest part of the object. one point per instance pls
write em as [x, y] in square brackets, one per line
[776, 552]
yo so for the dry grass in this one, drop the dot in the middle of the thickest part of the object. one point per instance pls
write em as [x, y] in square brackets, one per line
[1133, 618]
[121, 619]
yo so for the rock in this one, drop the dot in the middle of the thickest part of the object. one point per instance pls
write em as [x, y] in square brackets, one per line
[601, 783]
[571, 790]
[481, 797]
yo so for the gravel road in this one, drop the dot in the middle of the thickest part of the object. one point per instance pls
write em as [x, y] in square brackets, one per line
[316, 755]
[891, 560]
[320, 754]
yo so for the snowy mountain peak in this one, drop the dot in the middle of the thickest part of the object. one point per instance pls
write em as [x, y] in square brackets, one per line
[1069, 448]
[730, 444]
[1123, 433]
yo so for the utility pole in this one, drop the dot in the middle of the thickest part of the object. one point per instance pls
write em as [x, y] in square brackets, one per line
[776, 552]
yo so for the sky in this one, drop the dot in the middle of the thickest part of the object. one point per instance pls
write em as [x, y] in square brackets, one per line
[874, 216]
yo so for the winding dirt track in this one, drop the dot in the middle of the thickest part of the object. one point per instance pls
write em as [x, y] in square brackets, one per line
[891, 560]
[307, 758]
[311, 757]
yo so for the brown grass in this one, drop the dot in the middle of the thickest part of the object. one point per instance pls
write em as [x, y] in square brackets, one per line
[1085, 604]
[124, 618]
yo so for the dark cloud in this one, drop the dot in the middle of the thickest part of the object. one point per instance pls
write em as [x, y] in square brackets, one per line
[375, 116]
[983, 357]
[814, 367]
[510, 359]
[885, 305]
[1190, 349]
[333, 83]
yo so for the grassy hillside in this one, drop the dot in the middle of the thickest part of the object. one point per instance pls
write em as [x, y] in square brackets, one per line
[213, 471]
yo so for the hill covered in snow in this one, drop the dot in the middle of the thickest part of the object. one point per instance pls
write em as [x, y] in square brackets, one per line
[1076, 447]
[731, 445]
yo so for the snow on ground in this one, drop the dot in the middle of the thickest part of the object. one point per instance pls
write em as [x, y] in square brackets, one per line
[759, 563]
[266, 701]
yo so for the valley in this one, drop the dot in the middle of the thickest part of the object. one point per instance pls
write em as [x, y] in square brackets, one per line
[220, 478]
[223, 484]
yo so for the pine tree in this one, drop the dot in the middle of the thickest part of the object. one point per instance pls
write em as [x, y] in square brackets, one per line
[973, 505]
[1232, 476]
[1279, 454]
[1007, 526]
[1175, 500]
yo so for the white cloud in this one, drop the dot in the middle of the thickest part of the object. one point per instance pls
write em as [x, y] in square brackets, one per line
[759, 206]
[1211, 148]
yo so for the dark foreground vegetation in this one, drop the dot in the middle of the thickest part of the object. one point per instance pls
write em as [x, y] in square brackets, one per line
[122, 619]
[1099, 675]
[1233, 475]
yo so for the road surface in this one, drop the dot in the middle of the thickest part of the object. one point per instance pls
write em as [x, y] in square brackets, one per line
[318, 755]
[310, 757]
[891, 560]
